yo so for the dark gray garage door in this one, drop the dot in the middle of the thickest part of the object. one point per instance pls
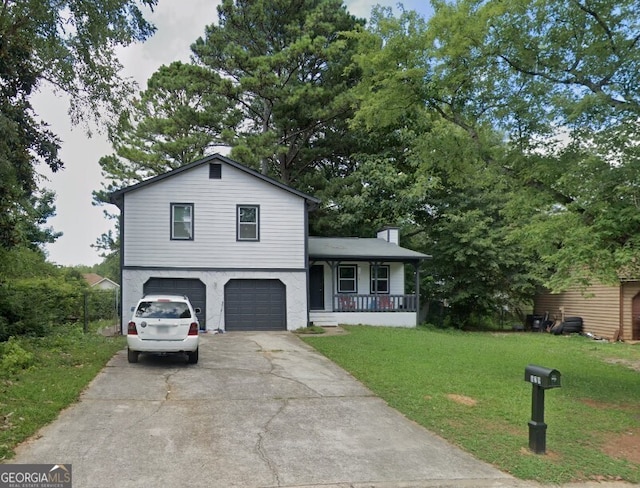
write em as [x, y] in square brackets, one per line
[255, 305]
[193, 288]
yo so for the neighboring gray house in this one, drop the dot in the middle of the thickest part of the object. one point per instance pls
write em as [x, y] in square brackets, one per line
[235, 241]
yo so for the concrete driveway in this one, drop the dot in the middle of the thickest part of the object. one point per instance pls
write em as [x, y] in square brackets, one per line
[259, 410]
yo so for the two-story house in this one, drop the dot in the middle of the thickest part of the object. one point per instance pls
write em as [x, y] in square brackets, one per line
[235, 241]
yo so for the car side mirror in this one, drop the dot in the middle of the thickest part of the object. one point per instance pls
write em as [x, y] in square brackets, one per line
[133, 308]
[197, 310]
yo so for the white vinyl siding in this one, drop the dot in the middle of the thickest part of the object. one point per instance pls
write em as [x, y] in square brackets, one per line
[147, 234]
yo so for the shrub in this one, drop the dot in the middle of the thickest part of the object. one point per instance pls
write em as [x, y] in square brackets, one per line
[32, 306]
[14, 358]
[102, 304]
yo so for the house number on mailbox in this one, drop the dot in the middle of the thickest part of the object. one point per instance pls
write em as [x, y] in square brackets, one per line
[536, 380]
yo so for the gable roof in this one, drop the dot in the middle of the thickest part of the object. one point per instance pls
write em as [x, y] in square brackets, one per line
[360, 249]
[94, 279]
[117, 196]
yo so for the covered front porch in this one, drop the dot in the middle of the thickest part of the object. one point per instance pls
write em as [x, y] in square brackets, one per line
[362, 281]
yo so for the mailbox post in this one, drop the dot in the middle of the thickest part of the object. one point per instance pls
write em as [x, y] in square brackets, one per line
[541, 379]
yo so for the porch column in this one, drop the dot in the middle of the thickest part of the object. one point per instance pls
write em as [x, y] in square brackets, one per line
[376, 304]
[333, 265]
[375, 283]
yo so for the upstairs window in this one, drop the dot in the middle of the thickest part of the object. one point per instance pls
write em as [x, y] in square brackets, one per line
[381, 284]
[248, 223]
[347, 279]
[182, 221]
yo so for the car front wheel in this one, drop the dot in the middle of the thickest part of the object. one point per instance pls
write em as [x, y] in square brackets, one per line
[132, 356]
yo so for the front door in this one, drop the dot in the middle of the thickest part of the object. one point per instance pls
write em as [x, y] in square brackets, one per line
[635, 318]
[316, 287]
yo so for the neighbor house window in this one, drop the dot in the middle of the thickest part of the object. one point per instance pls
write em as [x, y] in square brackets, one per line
[380, 281]
[182, 221]
[347, 279]
[248, 223]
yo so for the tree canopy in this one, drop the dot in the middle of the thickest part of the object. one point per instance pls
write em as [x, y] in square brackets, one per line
[501, 136]
[560, 81]
[176, 120]
[70, 45]
[284, 66]
[520, 124]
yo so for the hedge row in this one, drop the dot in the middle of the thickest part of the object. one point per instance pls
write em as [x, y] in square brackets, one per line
[36, 306]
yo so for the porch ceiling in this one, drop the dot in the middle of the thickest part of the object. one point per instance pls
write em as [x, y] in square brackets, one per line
[360, 249]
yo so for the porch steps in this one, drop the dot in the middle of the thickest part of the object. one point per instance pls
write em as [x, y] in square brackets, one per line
[323, 319]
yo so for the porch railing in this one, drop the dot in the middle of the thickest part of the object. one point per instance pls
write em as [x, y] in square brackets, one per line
[374, 303]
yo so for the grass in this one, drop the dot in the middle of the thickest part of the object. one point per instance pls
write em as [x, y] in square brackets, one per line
[469, 388]
[39, 377]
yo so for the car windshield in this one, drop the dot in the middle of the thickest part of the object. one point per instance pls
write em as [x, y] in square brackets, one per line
[163, 310]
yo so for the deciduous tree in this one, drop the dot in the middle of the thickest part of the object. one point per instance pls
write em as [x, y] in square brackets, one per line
[70, 45]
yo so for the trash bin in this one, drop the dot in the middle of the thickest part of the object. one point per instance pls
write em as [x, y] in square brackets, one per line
[534, 323]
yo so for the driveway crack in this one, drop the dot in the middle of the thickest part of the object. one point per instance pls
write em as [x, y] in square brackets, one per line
[260, 449]
[154, 412]
[268, 355]
[167, 382]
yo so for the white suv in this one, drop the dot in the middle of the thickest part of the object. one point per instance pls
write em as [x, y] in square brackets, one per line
[163, 324]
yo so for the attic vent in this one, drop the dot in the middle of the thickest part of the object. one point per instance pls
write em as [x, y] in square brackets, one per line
[215, 171]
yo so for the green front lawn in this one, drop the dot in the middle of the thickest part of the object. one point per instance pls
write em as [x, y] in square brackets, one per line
[469, 388]
[41, 376]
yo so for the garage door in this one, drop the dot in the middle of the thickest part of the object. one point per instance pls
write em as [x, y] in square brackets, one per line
[193, 288]
[255, 305]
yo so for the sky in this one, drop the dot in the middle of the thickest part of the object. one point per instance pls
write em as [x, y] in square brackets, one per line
[179, 23]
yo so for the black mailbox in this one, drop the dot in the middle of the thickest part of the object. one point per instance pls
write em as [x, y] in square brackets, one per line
[542, 377]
